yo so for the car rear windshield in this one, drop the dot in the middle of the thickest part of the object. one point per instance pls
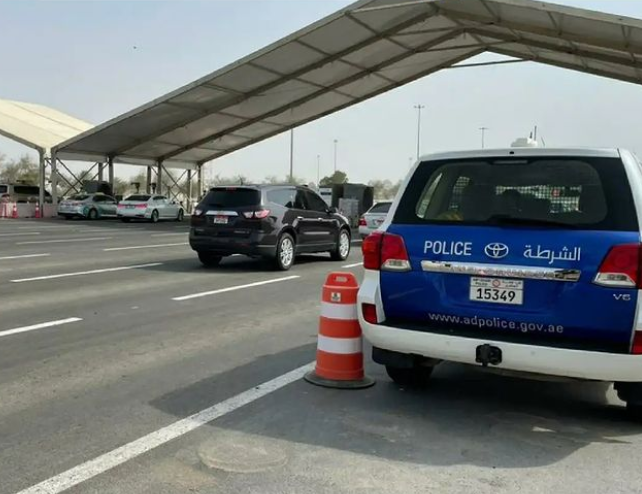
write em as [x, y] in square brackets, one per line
[586, 193]
[382, 207]
[79, 197]
[139, 198]
[232, 197]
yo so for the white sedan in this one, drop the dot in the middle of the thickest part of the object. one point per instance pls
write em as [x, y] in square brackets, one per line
[149, 207]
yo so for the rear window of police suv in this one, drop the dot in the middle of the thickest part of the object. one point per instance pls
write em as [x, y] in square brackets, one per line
[582, 193]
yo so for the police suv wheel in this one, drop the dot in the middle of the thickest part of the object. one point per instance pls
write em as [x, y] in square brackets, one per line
[413, 377]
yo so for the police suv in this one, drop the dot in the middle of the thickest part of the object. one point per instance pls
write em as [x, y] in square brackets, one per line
[521, 259]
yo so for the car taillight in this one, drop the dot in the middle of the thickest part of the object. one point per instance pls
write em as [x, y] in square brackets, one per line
[362, 221]
[636, 349]
[141, 206]
[385, 252]
[621, 267]
[369, 312]
[260, 214]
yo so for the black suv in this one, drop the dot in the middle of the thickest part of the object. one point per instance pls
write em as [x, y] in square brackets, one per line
[276, 222]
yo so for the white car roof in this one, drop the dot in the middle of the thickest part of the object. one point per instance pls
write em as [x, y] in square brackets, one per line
[524, 152]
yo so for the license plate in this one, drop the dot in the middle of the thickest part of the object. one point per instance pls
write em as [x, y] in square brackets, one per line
[497, 291]
[220, 220]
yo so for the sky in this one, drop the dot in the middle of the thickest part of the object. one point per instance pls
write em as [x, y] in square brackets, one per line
[79, 57]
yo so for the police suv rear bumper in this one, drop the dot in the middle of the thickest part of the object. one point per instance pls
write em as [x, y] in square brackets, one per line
[595, 366]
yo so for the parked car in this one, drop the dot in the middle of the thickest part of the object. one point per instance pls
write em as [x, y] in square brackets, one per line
[471, 266]
[21, 193]
[373, 218]
[90, 206]
[148, 207]
[269, 221]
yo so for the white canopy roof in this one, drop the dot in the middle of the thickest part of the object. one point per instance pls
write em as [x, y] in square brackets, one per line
[37, 126]
[364, 50]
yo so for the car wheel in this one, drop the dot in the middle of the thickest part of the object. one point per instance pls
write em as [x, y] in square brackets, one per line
[67, 217]
[412, 377]
[125, 220]
[92, 214]
[180, 216]
[342, 250]
[634, 410]
[285, 251]
[154, 216]
[208, 259]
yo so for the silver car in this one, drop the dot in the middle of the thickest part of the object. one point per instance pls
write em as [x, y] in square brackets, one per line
[149, 207]
[90, 206]
[373, 218]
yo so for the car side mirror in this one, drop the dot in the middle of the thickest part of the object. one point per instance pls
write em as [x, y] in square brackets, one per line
[333, 210]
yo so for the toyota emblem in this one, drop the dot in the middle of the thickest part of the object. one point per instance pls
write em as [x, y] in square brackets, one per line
[496, 250]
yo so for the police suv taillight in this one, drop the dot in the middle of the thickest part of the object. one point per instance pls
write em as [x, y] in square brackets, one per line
[385, 252]
[621, 267]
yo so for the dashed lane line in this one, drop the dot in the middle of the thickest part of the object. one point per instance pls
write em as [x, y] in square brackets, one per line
[234, 288]
[83, 273]
[35, 327]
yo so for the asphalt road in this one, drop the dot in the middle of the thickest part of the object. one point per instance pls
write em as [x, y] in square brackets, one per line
[103, 395]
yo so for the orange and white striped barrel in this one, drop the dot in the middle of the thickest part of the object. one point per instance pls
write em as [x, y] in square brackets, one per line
[340, 344]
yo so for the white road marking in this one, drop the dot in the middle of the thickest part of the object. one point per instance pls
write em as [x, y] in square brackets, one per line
[129, 451]
[23, 234]
[353, 265]
[50, 324]
[83, 273]
[169, 234]
[157, 246]
[65, 241]
[25, 256]
[234, 288]
[360, 241]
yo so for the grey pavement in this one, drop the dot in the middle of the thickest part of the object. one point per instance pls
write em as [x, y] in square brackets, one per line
[138, 361]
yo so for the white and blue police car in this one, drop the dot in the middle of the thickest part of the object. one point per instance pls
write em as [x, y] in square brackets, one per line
[521, 259]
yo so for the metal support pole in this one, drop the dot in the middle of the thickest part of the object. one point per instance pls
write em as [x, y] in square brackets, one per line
[419, 108]
[318, 169]
[335, 154]
[101, 171]
[189, 191]
[159, 178]
[199, 181]
[110, 172]
[483, 136]
[41, 179]
[148, 184]
[291, 156]
[54, 181]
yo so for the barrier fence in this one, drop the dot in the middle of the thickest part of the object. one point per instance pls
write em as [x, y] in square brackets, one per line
[12, 210]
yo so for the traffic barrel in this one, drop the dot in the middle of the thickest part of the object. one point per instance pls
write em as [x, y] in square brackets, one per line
[14, 213]
[340, 344]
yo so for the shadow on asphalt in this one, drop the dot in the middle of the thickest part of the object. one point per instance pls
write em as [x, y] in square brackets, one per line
[466, 416]
[236, 264]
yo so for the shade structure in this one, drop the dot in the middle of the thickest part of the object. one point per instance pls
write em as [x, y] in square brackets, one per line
[359, 52]
[37, 126]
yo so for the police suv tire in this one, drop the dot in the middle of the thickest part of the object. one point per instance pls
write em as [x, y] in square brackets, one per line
[336, 254]
[208, 259]
[284, 262]
[412, 377]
